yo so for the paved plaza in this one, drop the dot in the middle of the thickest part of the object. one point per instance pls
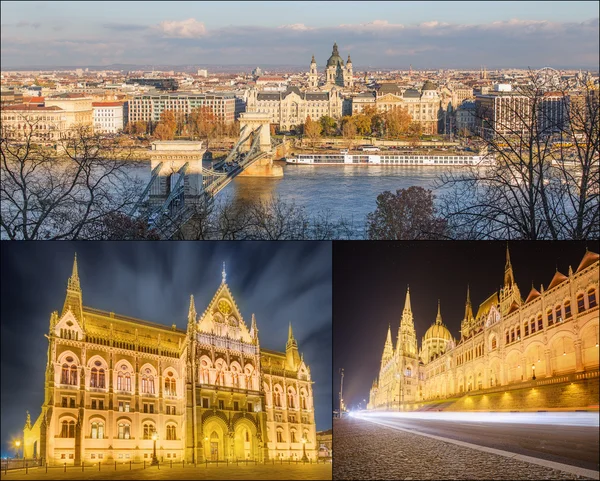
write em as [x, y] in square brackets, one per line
[267, 471]
[364, 450]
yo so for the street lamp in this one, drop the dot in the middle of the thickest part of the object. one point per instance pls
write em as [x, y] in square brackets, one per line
[17, 444]
[533, 367]
[304, 457]
[154, 458]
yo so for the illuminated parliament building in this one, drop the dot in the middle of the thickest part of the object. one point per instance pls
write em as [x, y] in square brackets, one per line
[509, 341]
[115, 385]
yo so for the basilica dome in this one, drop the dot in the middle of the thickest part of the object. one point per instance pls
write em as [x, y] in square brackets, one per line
[335, 58]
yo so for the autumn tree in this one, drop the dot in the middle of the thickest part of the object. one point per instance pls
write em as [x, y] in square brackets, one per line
[409, 214]
[348, 130]
[312, 130]
[328, 125]
[397, 121]
[203, 123]
[163, 132]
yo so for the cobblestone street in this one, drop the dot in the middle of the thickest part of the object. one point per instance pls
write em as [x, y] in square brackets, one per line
[268, 471]
[364, 450]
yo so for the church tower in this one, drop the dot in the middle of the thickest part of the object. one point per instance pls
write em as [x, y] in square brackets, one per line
[313, 75]
[510, 296]
[406, 344]
[348, 74]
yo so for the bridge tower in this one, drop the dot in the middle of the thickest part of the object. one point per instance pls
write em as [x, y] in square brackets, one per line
[263, 167]
[174, 155]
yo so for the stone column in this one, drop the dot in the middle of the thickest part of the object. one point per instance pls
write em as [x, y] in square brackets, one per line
[578, 356]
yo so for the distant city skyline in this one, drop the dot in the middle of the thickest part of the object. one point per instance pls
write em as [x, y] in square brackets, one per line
[428, 35]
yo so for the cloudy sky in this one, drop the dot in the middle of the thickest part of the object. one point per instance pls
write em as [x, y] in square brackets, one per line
[376, 34]
[280, 282]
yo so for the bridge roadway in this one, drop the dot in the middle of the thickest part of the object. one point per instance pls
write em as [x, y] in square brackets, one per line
[567, 437]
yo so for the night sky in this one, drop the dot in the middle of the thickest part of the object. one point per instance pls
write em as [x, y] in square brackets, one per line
[370, 280]
[279, 282]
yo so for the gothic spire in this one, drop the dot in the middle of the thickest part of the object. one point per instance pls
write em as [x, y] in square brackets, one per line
[254, 328]
[407, 301]
[291, 351]
[74, 279]
[191, 312]
[468, 308]
[223, 275]
[509, 278]
[438, 319]
[290, 334]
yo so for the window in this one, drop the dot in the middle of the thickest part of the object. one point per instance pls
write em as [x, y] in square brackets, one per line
[93, 404]
[100, 456]
[147, 382]
[279, 436]
[250, 407]
[101, 404]
[236, 406]
[93, 456]
[540, 323]
[170, 384]
[126, 407]
[68, 429]
[121, 406]
[592, 298]
[293, 436]
[580, 303]
[97, 430]
[148, 430]
[205, 402]
[550, 317]
[221, 404]
[72, 402]
[567, 309]
[277, 399]
[69, 372]
[291, 400]
[97, 377]
[151, 408]
[63, 456]
[171, 433]
[64, 402]
[124, 430]
[512, 335]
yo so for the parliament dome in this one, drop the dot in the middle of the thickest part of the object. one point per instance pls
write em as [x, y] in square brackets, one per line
[438, 331]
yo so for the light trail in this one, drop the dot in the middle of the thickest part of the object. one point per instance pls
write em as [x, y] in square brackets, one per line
[590, 419]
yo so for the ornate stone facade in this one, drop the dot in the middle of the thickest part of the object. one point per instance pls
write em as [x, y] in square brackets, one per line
[336, 73]
[209, 392]
[553, 332]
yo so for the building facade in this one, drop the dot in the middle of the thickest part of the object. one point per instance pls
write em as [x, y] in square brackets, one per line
[336, 73]
[149, 107]
[77, 109]
[207, 393]
[108, 117]
[290, 109]
[553, 332]
[41, 124]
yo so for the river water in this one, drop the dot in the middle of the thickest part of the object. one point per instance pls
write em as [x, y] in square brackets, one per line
[348, 191]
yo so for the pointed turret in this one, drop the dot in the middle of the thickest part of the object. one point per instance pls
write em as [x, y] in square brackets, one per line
[509, 278]
[438, 318]
[468, 307]
[73, 299]
[291, 351]
[407, 339]
[254, 329]
[388, 348]
[192, 316]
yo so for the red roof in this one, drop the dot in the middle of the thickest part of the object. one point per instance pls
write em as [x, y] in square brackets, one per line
[270, 79]
[588, 259]
[558, 278]
[533, 294]
[33, 100]
[107, 104]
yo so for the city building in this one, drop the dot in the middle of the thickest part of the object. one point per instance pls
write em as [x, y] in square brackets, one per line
[290, 109]
[501, 113]
[336, 73]
[77, 108]
[508, 342]
[108, 117]
[325, 442]
[42, 124]
[149, 107]
[117, 388]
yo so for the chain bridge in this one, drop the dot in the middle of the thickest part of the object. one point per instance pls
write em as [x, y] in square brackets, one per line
[179, 183]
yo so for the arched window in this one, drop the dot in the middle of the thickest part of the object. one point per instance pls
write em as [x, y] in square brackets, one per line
[550, 317]
[97, 377]
[526, 328]
[408, 372]
[580, 303]
[147, 382]
[512, 335]
[247, 433]
[277, 398]
[124, 430]
[279, 435]
[518, 333]
[291, 403]
[532, 325]
[170, 385]
[292, 436]
[303, 400]
[148, 430]
[68, 429]
[97, 430]
[493, 342]
[540, 323]
[120, 382]
[171, 433]
[567, 309]
[507, 338]
[64, 378]
[592, 298]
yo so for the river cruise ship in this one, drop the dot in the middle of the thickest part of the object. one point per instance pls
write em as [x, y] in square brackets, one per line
[388, 159]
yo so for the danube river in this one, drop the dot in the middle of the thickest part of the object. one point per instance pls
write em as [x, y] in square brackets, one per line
[343, 191]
